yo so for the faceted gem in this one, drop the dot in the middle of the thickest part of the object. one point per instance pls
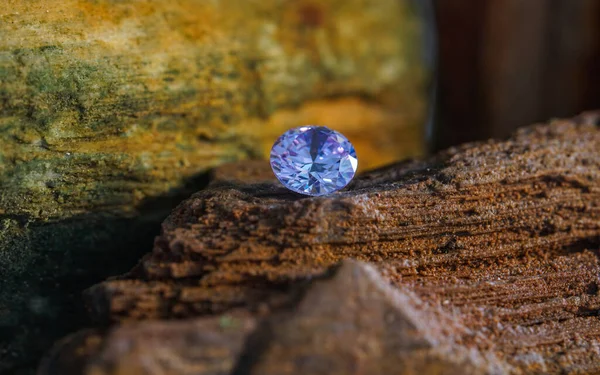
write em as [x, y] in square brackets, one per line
[313, 160]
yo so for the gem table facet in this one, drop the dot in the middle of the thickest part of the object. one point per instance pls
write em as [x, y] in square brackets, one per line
[313, 160]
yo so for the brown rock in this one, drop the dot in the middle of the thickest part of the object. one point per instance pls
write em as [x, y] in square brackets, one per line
[352, 322]
[200, 346]
[356, 323]
[492, 249]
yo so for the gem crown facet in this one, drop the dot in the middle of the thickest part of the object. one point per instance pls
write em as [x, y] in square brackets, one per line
[313, 160]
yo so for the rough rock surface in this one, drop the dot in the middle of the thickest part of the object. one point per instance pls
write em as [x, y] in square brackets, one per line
[348, 322]
[110, 111]
[487, 255]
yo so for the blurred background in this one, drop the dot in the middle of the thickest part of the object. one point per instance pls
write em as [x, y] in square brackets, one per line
[509, 63]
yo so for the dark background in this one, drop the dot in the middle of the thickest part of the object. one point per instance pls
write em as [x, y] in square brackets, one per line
[508, 63]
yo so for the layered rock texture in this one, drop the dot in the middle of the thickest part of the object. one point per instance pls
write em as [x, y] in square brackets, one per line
[480, 260]
[111, 111]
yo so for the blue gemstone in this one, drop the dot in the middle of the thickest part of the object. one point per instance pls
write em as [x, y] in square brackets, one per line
[313, 160]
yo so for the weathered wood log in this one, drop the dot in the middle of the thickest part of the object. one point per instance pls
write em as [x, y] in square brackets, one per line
[111, 111]
[490, 251]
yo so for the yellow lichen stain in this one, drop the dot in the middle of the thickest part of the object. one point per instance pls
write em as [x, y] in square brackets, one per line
[165, 23]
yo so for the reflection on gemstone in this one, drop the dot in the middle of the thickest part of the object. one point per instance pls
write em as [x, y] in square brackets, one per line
[313, 160]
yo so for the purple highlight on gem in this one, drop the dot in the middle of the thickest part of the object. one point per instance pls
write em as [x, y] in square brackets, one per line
[313, 160]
